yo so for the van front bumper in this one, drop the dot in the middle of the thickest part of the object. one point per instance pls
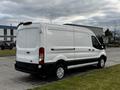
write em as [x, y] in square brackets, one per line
[34, 68]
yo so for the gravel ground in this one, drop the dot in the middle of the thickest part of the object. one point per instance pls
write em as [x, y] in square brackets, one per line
[10, 79]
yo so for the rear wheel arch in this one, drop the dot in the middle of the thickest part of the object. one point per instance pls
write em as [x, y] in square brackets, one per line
[61, 62]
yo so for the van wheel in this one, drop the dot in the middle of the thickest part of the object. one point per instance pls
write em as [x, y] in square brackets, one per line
[60, 72]
[101, 63]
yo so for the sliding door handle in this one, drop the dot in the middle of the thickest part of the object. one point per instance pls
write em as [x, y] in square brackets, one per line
[62, 49]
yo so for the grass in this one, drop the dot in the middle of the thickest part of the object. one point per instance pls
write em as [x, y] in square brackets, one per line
[100, 79]
[7, 52]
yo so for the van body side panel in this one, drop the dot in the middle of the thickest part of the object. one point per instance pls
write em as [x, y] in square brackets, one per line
[60, 44]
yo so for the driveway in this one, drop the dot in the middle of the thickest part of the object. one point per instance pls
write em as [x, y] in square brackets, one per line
[10, 79]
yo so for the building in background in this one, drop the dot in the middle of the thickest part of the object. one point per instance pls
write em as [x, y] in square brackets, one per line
[7, 37]
[97, 30]
[7, 33]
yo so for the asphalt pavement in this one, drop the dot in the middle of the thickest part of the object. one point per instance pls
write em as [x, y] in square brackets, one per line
[10, 79]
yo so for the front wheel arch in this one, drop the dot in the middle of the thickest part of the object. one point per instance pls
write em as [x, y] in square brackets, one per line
[105, 58]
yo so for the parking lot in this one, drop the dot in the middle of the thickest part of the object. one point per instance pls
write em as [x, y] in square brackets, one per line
[10, 79]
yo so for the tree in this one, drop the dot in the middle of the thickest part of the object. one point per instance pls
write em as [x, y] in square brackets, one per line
[109, 35]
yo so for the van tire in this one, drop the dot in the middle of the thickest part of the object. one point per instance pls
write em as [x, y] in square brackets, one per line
[60, 71]
[101, 63]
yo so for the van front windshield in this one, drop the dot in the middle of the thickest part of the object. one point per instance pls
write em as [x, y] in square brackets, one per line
[27, 38]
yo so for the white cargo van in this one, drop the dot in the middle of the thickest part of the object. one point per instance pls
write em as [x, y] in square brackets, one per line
[46, 48]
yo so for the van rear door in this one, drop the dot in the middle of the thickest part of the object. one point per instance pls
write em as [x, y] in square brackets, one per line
[28, 45]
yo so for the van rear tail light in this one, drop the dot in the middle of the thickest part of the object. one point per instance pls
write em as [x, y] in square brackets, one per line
[41, 55]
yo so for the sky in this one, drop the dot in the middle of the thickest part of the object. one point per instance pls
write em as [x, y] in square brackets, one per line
[104, 13]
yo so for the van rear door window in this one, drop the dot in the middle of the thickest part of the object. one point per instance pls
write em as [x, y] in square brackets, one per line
[27, 38]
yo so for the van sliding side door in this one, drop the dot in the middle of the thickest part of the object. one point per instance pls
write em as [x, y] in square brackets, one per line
[82, 46]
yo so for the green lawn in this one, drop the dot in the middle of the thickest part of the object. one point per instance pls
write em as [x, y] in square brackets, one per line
[100, 79]
[7, 52]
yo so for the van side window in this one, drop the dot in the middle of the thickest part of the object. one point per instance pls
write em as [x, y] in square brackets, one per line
[95, 42]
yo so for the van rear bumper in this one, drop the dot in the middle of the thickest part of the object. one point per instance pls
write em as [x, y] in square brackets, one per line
[33, 68]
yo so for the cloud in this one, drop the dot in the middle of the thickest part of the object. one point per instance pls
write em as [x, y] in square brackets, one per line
[88, 12]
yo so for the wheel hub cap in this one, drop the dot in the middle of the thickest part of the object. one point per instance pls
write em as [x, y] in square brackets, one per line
[60, 72]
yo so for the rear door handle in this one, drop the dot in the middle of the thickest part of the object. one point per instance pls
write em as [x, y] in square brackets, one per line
[28, 52]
